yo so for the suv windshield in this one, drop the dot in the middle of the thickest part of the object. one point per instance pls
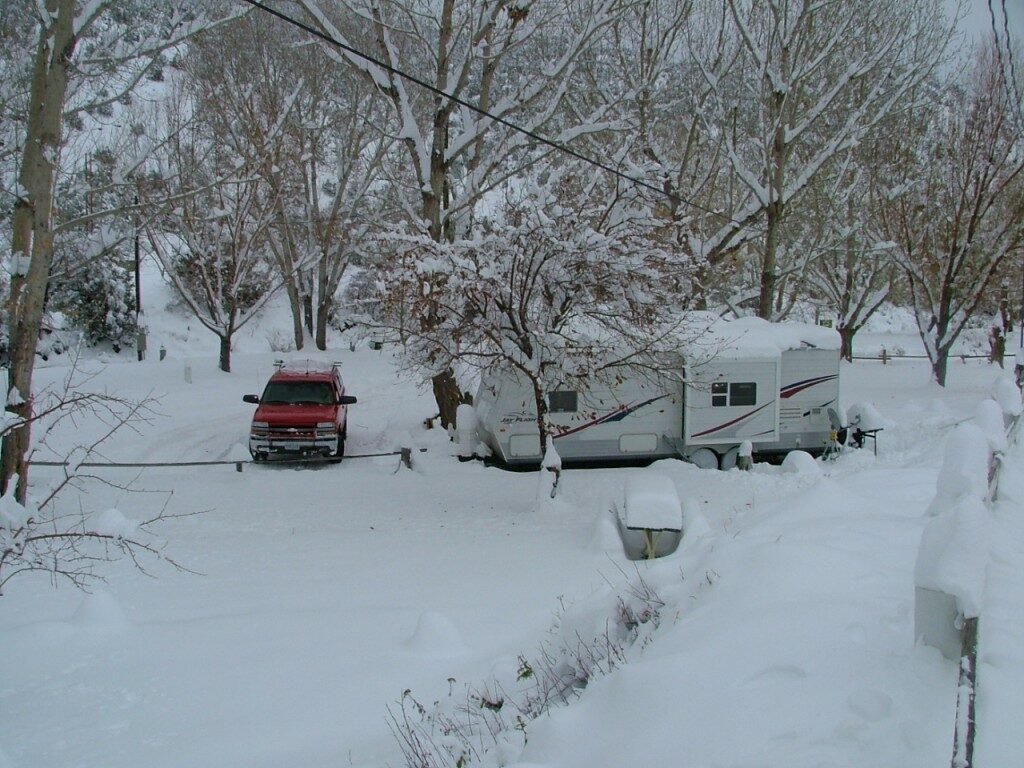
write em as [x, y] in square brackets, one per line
[290, 392]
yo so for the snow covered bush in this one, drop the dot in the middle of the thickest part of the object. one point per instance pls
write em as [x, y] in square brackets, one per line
[487, 724]
[99, 302]
[553, 292]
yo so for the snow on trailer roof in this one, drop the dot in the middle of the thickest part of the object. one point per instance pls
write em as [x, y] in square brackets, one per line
[754, 337]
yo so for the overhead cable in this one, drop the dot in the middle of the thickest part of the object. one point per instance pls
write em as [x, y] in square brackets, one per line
[558, 146]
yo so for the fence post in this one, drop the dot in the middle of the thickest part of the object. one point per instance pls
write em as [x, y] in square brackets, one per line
[885, 356]
[963, 734]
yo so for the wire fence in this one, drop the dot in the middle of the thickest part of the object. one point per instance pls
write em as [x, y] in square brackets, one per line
[237, 463]
[886, 357]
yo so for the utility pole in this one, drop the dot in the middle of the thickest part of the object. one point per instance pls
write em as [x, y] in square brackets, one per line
[140, 321]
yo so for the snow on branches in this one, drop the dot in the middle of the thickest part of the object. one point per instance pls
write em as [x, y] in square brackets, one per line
[544, 292]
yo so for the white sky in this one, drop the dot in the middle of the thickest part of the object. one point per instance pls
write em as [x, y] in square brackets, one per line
[979, 21]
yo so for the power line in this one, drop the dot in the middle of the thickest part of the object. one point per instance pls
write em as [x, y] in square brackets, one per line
[1009, 78]
[482, 112]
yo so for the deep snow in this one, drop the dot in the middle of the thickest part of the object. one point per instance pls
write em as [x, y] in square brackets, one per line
[786, 638]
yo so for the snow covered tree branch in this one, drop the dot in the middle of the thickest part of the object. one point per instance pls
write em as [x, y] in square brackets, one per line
[40, 534]
[544, 295]
[509, 58]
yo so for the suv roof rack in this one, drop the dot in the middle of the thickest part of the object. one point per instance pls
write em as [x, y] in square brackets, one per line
[306, 366]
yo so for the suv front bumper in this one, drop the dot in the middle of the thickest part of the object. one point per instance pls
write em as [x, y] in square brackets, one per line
[292, 444]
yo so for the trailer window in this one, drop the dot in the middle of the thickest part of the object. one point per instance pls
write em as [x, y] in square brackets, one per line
[719, 394]
[743, 393]
[733, 393]
[562, 402]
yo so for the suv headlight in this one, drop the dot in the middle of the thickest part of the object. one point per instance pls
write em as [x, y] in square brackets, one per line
[260, 427]
[326, 428]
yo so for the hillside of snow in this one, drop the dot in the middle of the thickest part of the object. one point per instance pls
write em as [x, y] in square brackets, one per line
[312, 598]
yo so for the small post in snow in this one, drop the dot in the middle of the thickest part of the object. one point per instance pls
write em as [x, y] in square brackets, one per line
[745, 457]
[465, 431]
[551, 469]
[405, 452]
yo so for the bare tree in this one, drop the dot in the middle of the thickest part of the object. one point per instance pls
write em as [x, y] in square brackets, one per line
[851, 265]
[956, 208]
[556, 294]
[40, 535]
[794, 84]
[211, 240]
[513, 59]
[313, 130]
[86, 56]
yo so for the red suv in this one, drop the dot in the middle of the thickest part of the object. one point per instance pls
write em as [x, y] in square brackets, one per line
[302, 411]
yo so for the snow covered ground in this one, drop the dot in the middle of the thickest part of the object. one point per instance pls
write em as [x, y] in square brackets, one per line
[321, 594]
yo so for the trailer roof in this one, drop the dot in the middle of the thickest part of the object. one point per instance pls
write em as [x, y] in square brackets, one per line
[754, 337]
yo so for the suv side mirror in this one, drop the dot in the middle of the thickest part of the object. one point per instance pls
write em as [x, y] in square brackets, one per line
[254, 399]
[346, 400]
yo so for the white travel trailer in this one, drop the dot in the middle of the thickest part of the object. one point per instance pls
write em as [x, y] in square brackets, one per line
[775, 385]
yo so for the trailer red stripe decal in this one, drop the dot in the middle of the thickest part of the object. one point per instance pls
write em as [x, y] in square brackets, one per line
[734, 421]
[799, 386]
[616, 415]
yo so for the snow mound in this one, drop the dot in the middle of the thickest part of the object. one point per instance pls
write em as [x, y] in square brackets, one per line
[800, 463]
[100, 611]
[954, 554]
[1007, 395]
[964, 472]
[865, 416]
[955, 545]
[695, 525]
[436, 634]
[989, 418]
[605, 537]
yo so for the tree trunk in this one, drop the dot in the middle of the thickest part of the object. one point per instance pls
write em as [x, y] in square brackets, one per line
[939, 367]
[766, 296]
[701, 281]
[225, 354]
[775, 209]
[296, 307]
[32, 231]
[448, 396]
[324, 298]
[307, 311]
[323, 312]
[541, 404]
[846, 334]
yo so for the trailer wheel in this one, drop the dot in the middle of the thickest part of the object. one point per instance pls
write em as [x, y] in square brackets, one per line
[728, 460]
[704, 458]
